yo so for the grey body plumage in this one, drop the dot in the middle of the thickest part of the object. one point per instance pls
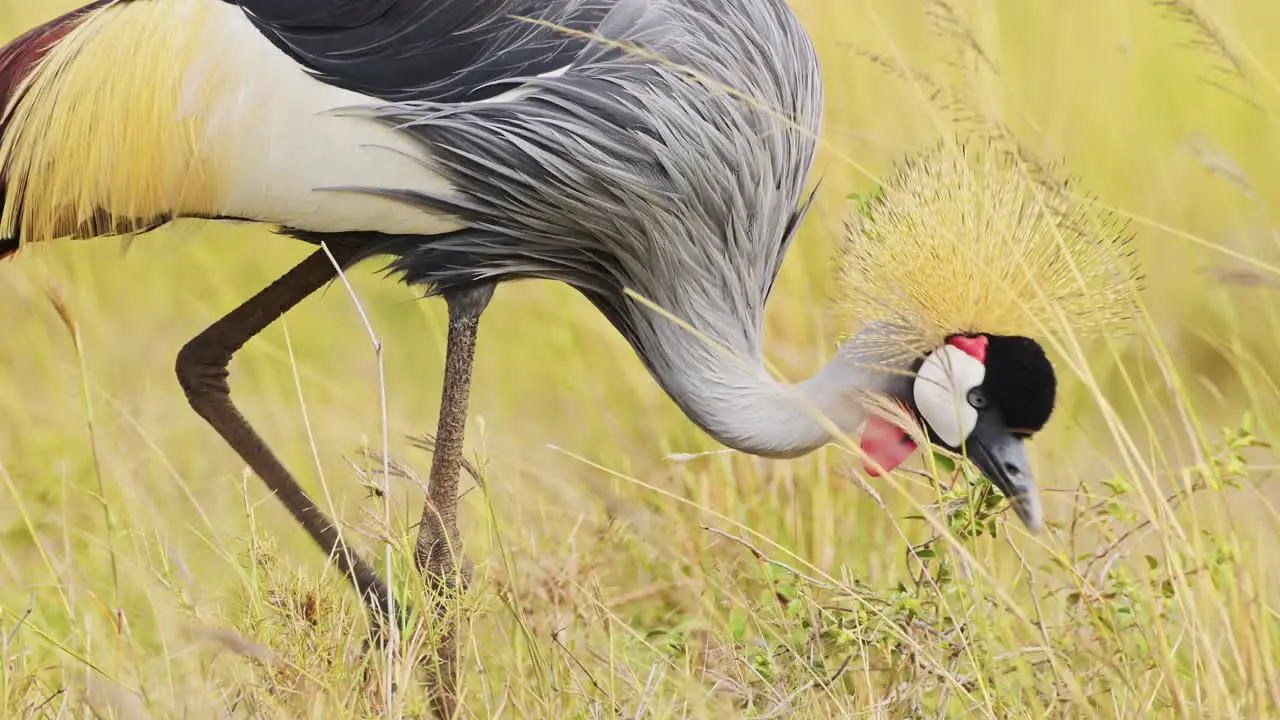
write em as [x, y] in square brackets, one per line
[623, 173]
[667, 154]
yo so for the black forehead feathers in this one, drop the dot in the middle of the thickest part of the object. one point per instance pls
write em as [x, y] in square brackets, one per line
[1020, 381]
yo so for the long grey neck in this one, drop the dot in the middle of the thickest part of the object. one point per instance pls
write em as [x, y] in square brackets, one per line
[728, 392]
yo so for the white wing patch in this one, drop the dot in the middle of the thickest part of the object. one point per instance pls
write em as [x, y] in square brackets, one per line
[941, 391]
[280, 137]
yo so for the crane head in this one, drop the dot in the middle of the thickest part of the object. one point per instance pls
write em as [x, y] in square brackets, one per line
[986, 395]
[959, 260]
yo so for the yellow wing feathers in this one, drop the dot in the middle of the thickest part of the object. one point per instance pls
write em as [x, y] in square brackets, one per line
[108, 133]
[973, 239]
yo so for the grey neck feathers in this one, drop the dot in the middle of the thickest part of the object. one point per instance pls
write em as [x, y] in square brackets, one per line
[727, 391]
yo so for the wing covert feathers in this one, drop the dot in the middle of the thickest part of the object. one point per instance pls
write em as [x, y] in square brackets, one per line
[17, 60]
[101, 136]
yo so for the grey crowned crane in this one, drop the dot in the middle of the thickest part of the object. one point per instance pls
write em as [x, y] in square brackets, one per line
[654, 146]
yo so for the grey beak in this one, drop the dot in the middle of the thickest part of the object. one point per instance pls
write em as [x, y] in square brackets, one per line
[1002, 457]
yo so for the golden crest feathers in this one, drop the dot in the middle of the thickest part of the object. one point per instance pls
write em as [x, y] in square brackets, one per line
[969, 239]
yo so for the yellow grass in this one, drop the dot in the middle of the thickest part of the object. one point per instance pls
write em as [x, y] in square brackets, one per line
[614, 580]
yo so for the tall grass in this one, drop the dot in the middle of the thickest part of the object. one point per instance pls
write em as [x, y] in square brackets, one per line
[623, 567]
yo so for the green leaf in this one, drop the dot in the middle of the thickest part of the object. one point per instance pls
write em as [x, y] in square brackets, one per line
[1117, 485]
[798, 637]
[864, 202]
[944, 463]
[1125, 612]
[738, 625]
[971, 474]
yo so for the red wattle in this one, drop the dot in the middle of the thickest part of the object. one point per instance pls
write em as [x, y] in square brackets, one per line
[886, 444]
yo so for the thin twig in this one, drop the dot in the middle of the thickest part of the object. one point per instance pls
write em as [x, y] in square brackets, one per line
[21, 621]
[56, 694]
[555, 638]
[768, 560]
[427, 443]
[393, 637]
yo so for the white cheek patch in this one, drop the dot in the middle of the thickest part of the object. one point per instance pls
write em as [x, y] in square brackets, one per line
[944, 382]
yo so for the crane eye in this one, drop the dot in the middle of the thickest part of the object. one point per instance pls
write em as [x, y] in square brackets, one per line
[977, 398]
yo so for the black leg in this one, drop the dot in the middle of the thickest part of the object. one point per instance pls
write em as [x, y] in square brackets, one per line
[202, 372]
[439, 555]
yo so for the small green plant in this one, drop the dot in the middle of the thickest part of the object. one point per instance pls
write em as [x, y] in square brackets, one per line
[946, 640]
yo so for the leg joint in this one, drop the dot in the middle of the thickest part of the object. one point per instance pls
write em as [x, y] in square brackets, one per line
[202, 371]
[466, 306]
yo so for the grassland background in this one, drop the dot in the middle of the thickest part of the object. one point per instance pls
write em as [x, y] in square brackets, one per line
[598, 590]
